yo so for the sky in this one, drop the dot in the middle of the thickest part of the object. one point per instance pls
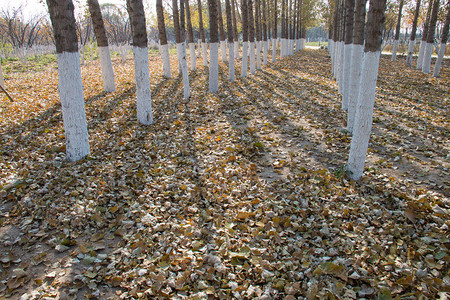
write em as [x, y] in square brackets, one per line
[39, 7]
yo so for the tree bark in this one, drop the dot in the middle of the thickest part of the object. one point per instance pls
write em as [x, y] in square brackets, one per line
[264, 29]
[191, 41]
[223, 35]
[251, 27]
[424, 37]
[258, 33]
[178, 21]
[274, 32]
[283, 30]
[366, 97]
[444, 39]
[357, 57]
[348, 39]
[426, 64]
[230, 40]
[397, 31]
[244, 12]
[214, 47]
[335, 38]
[412, 38]
[136, 12]
[164, 47]
[70, 85]
[235, 31]
[202, 33]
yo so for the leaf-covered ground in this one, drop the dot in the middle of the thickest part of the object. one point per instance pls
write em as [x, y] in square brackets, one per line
[240, 194]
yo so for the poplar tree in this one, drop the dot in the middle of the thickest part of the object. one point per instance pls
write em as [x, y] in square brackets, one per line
[70, 85]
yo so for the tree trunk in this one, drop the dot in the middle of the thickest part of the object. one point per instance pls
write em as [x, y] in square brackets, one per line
[213, 47]
[357, 57]
[444, 39]
[258, 34]
[235, 31]
[339, 45]
[397, 31]
[191, 41]
[274, 32]
[202, 33]
[283, 32]
[291, 27]
[138, 28]
[264, 29]
[223, 35]
[348, 39]
[103, 49]
[178, 22]
[70, 85]
[424, 37]
[244, 38]
[251, 27]
[366, 97]
[341, 49]
[412, 38]
[230, 40]
[426, 65]
[335, 34]
[164, 47]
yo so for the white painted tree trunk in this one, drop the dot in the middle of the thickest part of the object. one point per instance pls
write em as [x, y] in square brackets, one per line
[410, 53]
[346, 80]
[181, 54]
[341, 66]
[394, 50]
[266, 48]
[107, 69]
[236, 50]
[205, 54]
[303, 44]
[338, 66]
[282, 48]
[292, 47]
[244, 59]
[143, 91]
[336, 60]
[213, 67]
[252, 58]
[274, 50]
[258, 55]
[355, 76]
[330, 46]
[164, 50]
[231, 61]
[332, 56]
[437, 66]
[72, 102]
[223, 51]
[193, 56]
[364, 114]
[426, 64]
[420, 58]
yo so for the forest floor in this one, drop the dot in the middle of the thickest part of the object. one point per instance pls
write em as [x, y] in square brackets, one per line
[238, 194]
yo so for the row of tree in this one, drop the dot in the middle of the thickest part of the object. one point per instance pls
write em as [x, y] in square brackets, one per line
[256, 27]
[355, 49]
